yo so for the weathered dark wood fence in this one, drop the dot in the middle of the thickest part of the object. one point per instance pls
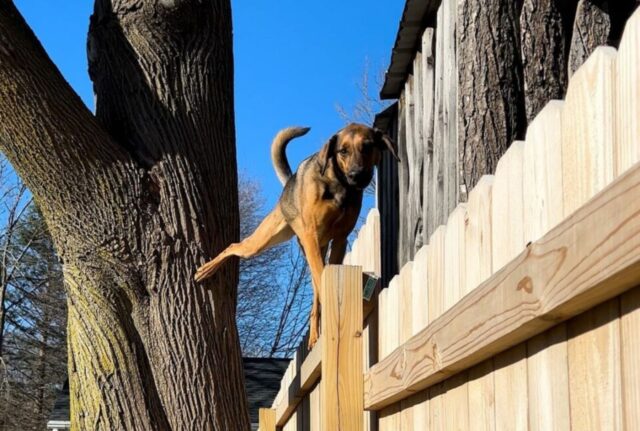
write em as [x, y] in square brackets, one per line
[468, 77]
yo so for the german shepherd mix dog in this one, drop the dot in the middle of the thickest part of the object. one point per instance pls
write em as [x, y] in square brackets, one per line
[320, 203]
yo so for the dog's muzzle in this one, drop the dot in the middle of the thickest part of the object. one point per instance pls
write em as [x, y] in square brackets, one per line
[359, 179]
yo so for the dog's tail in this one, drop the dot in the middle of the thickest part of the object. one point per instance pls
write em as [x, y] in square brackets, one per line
[278, 151]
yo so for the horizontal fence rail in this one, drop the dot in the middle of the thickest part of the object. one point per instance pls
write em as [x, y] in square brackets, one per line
[592, 256]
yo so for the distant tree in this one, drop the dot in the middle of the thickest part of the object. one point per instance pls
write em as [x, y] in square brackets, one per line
[368, 103]
[273, 293]
[35, 331]
[272, 304]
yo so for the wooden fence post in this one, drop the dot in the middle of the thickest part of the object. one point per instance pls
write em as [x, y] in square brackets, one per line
[267, 418]
[342, 384]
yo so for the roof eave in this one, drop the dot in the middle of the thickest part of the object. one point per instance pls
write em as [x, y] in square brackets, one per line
[415, 17]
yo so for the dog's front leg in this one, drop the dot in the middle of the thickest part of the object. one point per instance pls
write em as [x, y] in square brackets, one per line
[338, 250]
[313, 253]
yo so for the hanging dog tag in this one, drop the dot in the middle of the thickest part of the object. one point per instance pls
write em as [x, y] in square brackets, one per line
[370, 282]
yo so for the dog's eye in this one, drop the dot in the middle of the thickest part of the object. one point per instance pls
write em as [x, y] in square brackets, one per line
[343, 151]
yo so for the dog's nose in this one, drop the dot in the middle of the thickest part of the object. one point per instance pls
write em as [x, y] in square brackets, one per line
[359, 177]
[354, 175]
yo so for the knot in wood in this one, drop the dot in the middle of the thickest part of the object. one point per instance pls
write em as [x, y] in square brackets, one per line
[526, 284]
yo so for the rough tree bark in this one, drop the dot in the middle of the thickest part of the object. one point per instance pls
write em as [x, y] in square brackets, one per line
[545, 27]
[135, 199]
[597, 22]
[590, 29]
[491, 112]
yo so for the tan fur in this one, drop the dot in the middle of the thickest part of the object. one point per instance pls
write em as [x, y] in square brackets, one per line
[320, 203]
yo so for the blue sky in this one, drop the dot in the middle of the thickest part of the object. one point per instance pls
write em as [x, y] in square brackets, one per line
[294, 61]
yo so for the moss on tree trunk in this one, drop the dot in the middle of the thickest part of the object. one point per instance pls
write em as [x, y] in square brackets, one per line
[135, 198]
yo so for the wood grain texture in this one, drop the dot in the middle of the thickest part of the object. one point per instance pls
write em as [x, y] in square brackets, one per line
[315, 409]
[456, 403]
[436, 215]
[630, 352]
[341, 326]
[594, 369]
[297, 382]
[405, 322]
[627, 148]
[389, 418]
[420, 319]
[436, 273]
[451, 168]
[507, 207]
[590, 257]
[477, 239]
[437, 419]
[267, 418]
[416, 181]
[443, 173]
[404, 170]
[289, 396]
[510, 377]
[369, 358]
[455, 257]
[481, 390]
[405, 303]
[548, 380]
[383, 328]
[411, 172]
[420, 407]
[373, 220]
[428, 119]
[420, 291]
[392, 321]
[588, 129]
[542, 172]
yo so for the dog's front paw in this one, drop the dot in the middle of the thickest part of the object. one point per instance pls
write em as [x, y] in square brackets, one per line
[206, 270]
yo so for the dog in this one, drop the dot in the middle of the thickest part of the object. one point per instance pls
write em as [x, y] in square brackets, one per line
[320, 203]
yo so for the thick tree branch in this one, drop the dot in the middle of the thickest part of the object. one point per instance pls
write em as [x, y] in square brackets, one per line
[54, 143]
[163, 77]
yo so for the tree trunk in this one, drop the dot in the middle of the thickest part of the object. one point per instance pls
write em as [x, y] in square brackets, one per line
[590, 29]
[135, 200]
[491, 112]
[545, 27]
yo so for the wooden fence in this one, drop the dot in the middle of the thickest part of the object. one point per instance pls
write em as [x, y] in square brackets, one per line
[523, 311]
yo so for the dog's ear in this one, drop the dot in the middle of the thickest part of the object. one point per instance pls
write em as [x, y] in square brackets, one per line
[386, 142]
[327, 151]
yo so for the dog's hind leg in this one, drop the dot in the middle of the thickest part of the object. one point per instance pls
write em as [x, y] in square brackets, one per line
[272, 231]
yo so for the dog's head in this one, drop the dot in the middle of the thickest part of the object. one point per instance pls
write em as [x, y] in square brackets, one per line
[356, 150]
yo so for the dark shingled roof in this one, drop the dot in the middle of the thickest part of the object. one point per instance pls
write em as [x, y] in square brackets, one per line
[416, 17]
[262, 379]
[383, 119]
[61, 406]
